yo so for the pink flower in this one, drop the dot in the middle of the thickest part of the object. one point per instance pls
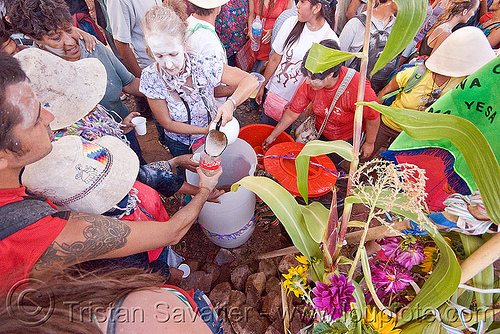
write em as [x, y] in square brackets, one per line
[408, 252]
[391, 277]
[336, 298]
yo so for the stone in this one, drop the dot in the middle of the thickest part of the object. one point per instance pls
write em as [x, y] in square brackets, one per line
[239, 276]
[278, 325]
[296, 325]
[197, 280]
[268, 267]
[194, 264]
[248, 321]
[227, 328]
[253, 297]
[224, 256]
[273, 284]
[288, 261]
[237, 298]
[212, 270]
[258, 280]
[219, 296]
[239, 317]
[272, 330]
[271, 306]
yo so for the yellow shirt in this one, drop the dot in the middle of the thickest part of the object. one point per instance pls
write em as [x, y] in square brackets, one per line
[421, 96]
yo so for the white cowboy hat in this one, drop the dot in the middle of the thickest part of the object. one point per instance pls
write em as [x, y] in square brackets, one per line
[462, 53]
[69, 90]
[84, 176]
[208, 4]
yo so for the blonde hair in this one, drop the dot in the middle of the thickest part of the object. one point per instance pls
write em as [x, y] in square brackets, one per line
[165, 21]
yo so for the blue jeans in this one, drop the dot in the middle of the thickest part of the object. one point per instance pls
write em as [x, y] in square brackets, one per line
[177, 148]
[134, 145]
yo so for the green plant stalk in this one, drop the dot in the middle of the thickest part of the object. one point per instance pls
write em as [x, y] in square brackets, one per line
[362, 241]
[358, 123]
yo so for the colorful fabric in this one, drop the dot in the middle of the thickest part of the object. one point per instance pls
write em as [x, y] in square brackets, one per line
[442, 180]
[341, 121]
[230, 25]
[93, 126]
[486, 26]
[421, 96]
[20, 251]
[476, 100]
[206, 73]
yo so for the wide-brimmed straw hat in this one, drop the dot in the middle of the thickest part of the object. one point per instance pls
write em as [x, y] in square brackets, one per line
[208, 4]
[462, 53]
[69, 90]
[84, 176]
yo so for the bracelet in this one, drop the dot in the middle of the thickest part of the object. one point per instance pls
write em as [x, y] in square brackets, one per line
[234, 102]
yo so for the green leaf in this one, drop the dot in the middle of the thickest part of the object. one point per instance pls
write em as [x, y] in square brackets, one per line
[485, 279]
[465, 136]
[290, 215]
[316, 219]
[344, 260]
[355, 223]
[360, 304]
[440, 285]
[323, 328]
[321, 58]
[315, 148]
[411, 15]
[416, 327]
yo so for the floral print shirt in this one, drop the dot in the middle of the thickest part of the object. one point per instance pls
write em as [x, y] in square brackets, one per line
[206, 72]
[230, 25]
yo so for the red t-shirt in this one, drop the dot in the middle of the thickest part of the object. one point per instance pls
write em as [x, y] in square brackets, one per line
[341, 121]
[20, 251]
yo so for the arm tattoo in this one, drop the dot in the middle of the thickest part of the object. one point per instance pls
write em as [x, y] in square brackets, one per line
[102, 235]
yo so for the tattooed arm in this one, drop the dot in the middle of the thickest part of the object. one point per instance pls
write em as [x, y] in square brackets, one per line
[89, 237]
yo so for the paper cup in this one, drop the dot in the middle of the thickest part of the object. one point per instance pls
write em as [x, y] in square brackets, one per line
[140, 125]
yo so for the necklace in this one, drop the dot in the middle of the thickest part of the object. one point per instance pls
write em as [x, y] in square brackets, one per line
[435, 93]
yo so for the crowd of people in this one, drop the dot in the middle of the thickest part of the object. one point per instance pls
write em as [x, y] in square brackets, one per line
[77, 198]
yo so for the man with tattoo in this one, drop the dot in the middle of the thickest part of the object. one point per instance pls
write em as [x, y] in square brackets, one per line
[36, 238]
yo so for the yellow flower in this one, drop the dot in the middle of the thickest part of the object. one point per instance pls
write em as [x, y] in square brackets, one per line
[431, 257]
[296, 280]
[379, 321]
[302, 259]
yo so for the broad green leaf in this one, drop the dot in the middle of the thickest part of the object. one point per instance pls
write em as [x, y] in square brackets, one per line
[484, 279]
[288, 212]
[321, 58]
[433, 328]
[440, 285]
[316, 219]
[417, 327]
[411, 15]
[465, 136]
[474, 317]
[465, 298]
[315, 148]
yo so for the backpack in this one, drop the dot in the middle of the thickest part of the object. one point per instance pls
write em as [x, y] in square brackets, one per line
[418, 73]
[378, 40]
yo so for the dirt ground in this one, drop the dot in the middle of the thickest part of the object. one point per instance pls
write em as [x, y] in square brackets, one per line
[195, 245]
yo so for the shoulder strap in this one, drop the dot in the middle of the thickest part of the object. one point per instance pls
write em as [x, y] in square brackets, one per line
[343, 85]
[18, 215]
[416, 77]
[362, 18]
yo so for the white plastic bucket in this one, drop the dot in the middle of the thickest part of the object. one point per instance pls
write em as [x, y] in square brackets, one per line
[230, 223]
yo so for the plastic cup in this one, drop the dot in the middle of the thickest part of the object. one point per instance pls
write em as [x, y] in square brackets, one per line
[140, 125]
[185, 269]
[261, 79]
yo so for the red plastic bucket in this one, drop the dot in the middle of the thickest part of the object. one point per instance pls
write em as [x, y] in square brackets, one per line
[255, 134]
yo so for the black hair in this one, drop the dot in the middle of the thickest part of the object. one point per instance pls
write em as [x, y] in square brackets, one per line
[331, 44]
[11, 73]
[37, 18]
[327, 11]
[201, 11]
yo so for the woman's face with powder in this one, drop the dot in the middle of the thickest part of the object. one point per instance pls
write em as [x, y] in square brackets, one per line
[168, 52]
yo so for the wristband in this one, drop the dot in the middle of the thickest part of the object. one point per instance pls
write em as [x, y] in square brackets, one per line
[234, 102]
